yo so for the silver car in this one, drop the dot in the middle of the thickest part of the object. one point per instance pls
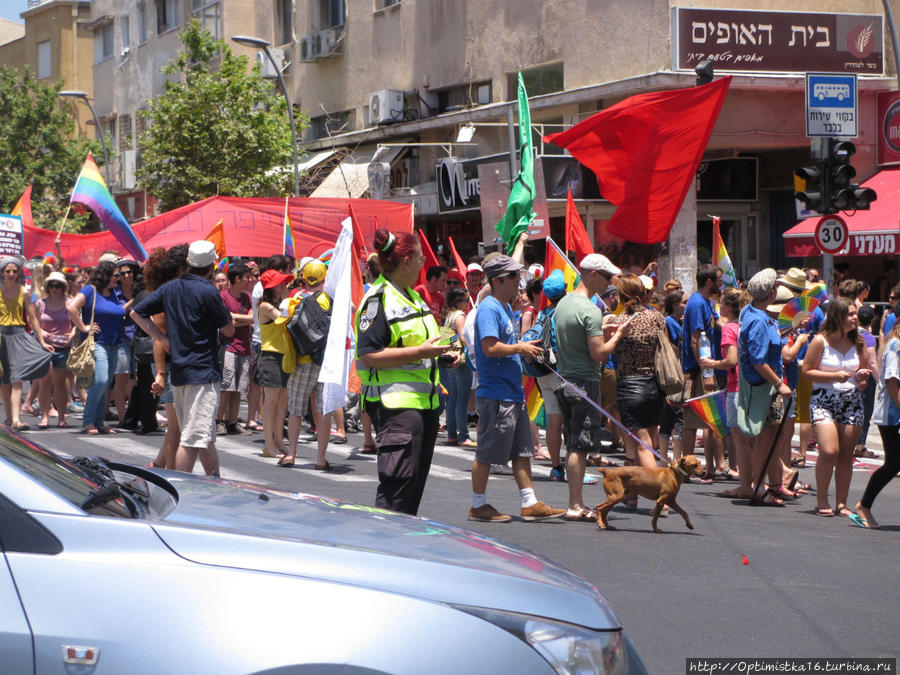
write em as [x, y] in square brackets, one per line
[112, 568]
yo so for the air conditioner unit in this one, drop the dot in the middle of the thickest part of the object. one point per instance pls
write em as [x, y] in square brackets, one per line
[309, 47]
[385, 106]
[266, 65]
[328, 42]
[127, 167]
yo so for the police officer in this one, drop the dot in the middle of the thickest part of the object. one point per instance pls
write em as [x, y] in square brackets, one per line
[397, 350]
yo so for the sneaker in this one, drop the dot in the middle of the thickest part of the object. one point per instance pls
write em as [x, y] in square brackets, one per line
[220, 429]
[488, 514]
[558, 473]
[540, 511]
[75, 407]
[501, 470]
[590, 480]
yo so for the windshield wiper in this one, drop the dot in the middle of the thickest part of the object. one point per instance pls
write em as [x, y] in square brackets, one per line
[135, 496]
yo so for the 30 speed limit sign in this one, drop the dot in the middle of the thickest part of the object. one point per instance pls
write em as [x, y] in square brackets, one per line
[831, 234]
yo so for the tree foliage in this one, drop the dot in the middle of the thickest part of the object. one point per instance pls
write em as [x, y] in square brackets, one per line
[39, 144]
[217, 129]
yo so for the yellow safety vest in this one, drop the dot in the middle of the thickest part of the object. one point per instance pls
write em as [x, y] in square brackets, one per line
[412, 385]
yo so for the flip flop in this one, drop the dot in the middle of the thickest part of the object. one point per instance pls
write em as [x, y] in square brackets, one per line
[323, 467]
[825, 513]
[284, 461]
[63, 425]
[844, 512]
[106, 431]
[369, 450]
[43, 427]
[734, 493]
[859, 521]
[338, 440]
[798, 462]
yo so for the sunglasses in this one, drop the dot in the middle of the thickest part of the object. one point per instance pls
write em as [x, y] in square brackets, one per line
[10, 271]
[129, 273]
[56, 285]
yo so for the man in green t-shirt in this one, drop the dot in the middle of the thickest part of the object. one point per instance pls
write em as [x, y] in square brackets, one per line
[581, 352]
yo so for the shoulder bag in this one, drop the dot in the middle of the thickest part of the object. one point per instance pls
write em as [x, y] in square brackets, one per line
[81, 356]
[667, 365]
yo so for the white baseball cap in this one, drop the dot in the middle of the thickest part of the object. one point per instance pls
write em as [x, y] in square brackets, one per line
[599, 263]
[474, 267]
[201, 253]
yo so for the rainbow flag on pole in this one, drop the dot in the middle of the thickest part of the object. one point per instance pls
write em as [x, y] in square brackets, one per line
[555, 259]
[287, 241]
[721, 259]
[711, 409]
[91, 190]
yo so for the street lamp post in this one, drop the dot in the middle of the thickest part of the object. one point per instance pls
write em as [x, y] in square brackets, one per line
[82, 95]
[259, 43]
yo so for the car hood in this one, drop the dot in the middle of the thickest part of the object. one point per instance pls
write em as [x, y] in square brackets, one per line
[323, 538]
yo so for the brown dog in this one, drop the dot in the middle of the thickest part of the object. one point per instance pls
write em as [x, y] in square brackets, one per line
[659, 484]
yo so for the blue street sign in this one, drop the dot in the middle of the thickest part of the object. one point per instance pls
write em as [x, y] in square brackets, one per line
[831, 105]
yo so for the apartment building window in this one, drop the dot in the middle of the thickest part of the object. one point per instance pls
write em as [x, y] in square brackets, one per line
[331, 13]
[45, 67]
[166, 15]
[284, 21]
[538, 81]
[209, 13]
[383, 4]
[125, 29]
[103, 42]
[125, 135]
[464, 96]
[331, 124]
[142, 23]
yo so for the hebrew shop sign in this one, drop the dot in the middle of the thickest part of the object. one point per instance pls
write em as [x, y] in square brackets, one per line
[778, 42]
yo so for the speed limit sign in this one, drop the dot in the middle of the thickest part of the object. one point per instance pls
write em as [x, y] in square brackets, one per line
[831, 234]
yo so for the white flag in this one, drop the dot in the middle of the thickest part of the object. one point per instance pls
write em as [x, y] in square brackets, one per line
[339, 349]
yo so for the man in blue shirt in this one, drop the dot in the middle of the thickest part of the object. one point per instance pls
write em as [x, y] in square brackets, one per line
[195, 315]
[504, 432]
[699, 317]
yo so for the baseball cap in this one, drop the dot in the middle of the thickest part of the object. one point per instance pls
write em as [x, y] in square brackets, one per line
[271, 278]
[313, 272]
[474, 267]
[536, 271]
[555, 285]
[499, 265]
[454, 275]
[599, 263]
[114, 258]
[201, 253]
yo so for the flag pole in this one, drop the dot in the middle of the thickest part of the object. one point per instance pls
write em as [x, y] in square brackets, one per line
[65, 217]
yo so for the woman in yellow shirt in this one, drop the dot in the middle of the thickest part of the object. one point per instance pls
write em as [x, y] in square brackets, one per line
[275, 344]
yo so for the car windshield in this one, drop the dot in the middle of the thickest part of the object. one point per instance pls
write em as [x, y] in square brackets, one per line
[62, 477]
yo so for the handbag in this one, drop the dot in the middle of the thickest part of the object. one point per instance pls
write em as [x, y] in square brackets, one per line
[81, 356]
[142, 349]
[669, 375]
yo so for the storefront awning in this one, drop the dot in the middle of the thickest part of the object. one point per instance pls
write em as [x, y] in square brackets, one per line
[872, 232]
[350, 178]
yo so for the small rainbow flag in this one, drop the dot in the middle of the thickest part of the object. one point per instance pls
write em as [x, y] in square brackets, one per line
[818, 291]
[721, 259]
[556, 259]
[711, 409]
[287, 242]
[222, 265]
[534, 402]
[91, 190]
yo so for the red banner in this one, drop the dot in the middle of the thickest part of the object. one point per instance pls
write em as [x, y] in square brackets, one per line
[252, 227]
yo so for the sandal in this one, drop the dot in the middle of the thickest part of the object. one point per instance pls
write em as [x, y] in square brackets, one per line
[825, 511]
[582, 515]
[323, 467]
[769, 498]
[735, 493]
[63, 424]
[337, 439]
[285, 461]
[369, 450]
[21, 426]
[843, 511]
[469, 444]
[106, 431]
[798, 463]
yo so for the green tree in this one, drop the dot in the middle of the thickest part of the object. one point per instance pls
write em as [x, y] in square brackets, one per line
[217, 129]
[39, 144]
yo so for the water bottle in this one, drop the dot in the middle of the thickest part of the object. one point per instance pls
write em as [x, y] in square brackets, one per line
[705, 352]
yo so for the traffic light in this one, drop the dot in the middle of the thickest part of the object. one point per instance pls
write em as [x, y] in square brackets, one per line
[810, 187]
[843, 194]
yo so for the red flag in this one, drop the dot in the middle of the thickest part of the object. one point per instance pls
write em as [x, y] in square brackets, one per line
[23, 207]
[430, 258]
[645, 151]
[576, 236]
[457, 258]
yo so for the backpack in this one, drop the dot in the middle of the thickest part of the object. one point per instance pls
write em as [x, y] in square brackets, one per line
[544, 329]
[308, 327]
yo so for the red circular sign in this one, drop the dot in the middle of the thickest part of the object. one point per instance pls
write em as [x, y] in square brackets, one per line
[831, 234]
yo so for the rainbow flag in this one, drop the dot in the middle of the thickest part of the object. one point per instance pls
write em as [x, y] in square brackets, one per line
[287, 241]
[23, 207]
[711, 409]
[91, 190]
[222, 265]
[534, 402]
[555, 259]
[721, 259]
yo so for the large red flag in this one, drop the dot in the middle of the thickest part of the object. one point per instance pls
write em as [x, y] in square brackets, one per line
[430, 258]
[217, 237]
[645, 151]
[576, 236]
[457, 258]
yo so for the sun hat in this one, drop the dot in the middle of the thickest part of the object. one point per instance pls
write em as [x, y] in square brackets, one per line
[58, 277]
[783, 296]
[795, 279]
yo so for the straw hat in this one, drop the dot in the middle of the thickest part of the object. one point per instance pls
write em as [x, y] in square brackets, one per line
[58, 277]
[795, 279]
[783, 296]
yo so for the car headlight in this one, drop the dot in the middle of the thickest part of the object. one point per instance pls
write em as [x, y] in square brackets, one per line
[569, 649]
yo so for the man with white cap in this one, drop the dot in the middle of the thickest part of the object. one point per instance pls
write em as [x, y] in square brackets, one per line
[474, 279]
[195, 314]
[582, 351]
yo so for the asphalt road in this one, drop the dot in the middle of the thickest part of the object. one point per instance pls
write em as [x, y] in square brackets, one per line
[813, 587]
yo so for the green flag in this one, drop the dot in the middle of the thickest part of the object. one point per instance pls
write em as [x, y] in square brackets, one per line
[519, 209]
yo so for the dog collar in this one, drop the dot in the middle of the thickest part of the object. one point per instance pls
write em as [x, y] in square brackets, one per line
[684, 474]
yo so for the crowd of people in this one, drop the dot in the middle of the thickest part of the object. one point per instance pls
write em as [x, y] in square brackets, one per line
[183, 332]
